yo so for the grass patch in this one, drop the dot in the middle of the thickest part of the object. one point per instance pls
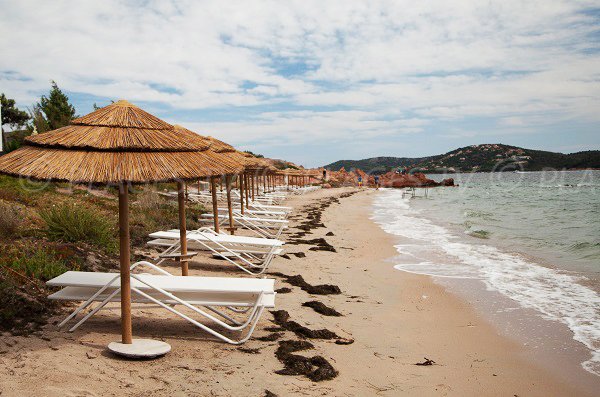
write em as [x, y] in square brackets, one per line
[23, 190]
[39, 264]
[77, 223]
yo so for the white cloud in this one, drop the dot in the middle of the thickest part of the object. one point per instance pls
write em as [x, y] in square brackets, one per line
[362, 67]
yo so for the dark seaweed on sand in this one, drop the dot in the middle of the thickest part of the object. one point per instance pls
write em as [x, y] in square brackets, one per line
[249, 350]
[321, 308]
[316, 368]
[313, 217]
[271, 337]
[298, 281]
[282, 318]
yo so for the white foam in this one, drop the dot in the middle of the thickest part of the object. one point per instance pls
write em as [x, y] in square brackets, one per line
[555, 295]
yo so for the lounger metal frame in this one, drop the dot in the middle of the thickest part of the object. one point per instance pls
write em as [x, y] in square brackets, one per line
[246, 260]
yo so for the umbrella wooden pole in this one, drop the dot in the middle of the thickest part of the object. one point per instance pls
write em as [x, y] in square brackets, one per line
[126, 328]
[264, 184]
[213, 185]
[229, 206]
[181, 191]
[252, 178]
[247, 191]
[241, 186]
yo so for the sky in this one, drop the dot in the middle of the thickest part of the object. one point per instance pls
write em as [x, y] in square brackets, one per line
[318, 81]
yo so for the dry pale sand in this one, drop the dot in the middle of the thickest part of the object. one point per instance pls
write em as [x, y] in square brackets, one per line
[395, 318]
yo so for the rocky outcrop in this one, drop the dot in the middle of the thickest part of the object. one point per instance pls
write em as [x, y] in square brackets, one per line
[392, 179]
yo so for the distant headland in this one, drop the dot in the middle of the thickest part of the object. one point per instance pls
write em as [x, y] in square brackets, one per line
[477, 158]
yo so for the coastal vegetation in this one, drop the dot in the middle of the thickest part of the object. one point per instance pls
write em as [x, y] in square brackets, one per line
[49, 228]
[477, 158]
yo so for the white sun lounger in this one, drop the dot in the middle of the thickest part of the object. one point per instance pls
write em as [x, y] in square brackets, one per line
[244, 296]
[259, 213]
[251, 254]
[264, 227]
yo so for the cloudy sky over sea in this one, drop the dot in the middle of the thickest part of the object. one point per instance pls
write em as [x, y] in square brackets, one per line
[317, 81]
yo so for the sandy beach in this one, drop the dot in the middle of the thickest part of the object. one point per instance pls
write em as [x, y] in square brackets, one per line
[395, 320]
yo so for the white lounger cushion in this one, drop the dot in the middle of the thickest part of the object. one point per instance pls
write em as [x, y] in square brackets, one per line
[168, 242]
[237, 299]
[258, 220]
[257, 212]
[168, 283]
[220, 238]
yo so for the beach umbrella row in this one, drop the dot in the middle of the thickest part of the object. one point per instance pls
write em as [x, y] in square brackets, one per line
[119, 145]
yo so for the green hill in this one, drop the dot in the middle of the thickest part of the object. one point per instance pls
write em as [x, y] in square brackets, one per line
[377, 165]
[482, 158]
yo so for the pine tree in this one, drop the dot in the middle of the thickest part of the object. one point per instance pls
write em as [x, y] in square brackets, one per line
[38, 123]
[59, 112]
[11, 115]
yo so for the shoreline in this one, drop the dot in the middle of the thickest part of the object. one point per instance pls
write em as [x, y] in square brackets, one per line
[549, 340]
[395, 319]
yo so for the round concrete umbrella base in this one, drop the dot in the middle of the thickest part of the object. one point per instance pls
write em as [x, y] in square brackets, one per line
[140, 348]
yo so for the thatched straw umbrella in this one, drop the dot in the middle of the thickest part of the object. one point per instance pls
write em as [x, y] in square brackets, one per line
[119, 145]
[293, 177]
[252, 167]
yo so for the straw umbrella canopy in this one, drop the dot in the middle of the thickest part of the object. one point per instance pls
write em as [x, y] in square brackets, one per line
[252, 167]
[297, 175]
[118, 145]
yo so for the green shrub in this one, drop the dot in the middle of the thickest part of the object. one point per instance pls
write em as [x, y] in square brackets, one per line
[12, 145]
[39, 264]
[10, 220]
[75, 223]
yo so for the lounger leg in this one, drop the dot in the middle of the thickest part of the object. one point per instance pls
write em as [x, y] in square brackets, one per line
[202, 326]
[86, 303]
[90, 314]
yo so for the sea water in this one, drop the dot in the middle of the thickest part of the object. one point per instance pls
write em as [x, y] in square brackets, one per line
[533, 237]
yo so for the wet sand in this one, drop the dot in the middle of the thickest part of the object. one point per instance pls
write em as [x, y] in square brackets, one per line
[391, 319]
